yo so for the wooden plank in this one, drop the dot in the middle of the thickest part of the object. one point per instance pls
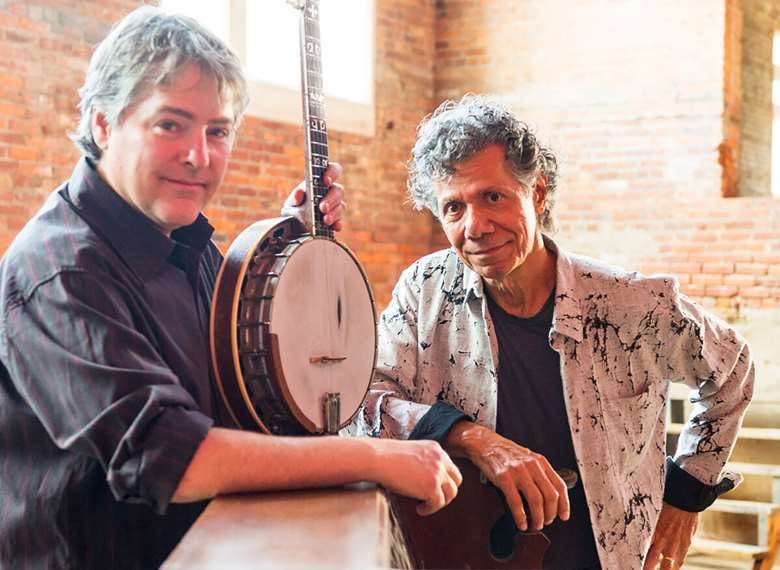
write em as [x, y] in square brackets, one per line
[773, 542]
[744, 507]
[344, 528]
[761, 469]
[727, 549]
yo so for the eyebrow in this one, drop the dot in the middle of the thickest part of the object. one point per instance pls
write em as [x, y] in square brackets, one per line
[190, 116]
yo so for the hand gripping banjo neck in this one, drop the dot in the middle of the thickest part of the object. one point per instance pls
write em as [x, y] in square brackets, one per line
[314, 125]
[293, 326]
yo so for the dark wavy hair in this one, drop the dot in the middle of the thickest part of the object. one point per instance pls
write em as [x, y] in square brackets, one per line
[457, 130]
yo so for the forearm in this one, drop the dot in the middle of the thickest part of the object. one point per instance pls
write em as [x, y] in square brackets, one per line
[463, 438]
[232, 461]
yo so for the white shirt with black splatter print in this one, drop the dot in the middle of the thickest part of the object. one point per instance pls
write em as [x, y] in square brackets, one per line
[622, 338]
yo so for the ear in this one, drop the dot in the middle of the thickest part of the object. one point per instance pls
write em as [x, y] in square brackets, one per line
[540, 194]
[101, 130]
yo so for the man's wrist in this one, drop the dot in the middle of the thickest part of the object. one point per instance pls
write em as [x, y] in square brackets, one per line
[463, 440]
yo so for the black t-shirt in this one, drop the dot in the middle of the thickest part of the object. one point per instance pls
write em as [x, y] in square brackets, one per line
[532, 413]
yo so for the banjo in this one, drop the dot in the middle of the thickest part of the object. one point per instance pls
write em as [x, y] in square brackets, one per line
[293, 325]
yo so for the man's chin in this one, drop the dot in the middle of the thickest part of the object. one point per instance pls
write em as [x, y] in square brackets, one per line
[171, 222]
[491, 272]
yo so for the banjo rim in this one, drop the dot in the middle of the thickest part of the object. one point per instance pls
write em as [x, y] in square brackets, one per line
[246, 245]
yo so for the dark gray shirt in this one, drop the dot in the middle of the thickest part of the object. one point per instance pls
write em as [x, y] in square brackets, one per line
[104, 387]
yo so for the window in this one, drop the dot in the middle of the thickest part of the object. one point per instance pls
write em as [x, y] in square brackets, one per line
[264, 34]
[776, 116]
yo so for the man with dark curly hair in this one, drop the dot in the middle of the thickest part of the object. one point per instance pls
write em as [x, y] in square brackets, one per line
[527, 359]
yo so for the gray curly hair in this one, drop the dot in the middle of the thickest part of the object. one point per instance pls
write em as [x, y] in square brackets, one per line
[457, 130]
[144, 50]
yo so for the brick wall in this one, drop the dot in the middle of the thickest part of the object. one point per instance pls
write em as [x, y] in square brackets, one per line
[635, 97]
[631, 96]
[44, 49]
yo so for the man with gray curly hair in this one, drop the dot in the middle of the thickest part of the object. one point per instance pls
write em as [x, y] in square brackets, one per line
[529, 360]
[111, 432]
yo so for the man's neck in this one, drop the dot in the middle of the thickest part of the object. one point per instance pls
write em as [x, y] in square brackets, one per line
[525, 290]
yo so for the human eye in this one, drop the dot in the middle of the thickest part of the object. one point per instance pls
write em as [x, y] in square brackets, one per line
[167, 126]
[219, 132]
[493, 197]
[451, 209]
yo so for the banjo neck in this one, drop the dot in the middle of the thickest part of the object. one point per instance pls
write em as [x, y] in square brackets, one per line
[315, 128]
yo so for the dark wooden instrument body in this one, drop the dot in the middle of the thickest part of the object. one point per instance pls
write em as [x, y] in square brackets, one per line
[244, 354]
[459, 536]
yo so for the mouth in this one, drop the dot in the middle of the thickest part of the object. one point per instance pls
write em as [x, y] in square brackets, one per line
[189, 184]
[487, 250]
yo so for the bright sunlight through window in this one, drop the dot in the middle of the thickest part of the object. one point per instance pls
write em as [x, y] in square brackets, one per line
[264, 34]
[776, 117]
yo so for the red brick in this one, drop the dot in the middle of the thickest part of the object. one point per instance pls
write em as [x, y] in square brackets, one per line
[740, 280]
[720, 290]
[719, 268]
[752, 268]
[754, 292]
[706, 279]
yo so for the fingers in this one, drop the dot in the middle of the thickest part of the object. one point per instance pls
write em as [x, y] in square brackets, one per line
[668, 563]
[433, 504]
[332, 173]
[540, 494]
[420, 470]
[441, 497]
[542, 498]
[653, 558]
[445, 488]
[333, 206]
[534, 492]
[659, 561]
[515, 504]
[454, 473]
[562, 509]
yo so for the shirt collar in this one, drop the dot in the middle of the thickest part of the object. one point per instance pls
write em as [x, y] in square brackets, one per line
[134, 237]
[567, 317]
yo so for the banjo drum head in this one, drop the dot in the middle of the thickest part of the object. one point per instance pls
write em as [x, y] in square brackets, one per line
[322, 315]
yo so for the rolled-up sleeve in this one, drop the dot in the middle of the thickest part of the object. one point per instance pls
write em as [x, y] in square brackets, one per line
[714, 360]
[99, 386]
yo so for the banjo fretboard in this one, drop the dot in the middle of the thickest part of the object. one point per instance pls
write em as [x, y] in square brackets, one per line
[315, 127]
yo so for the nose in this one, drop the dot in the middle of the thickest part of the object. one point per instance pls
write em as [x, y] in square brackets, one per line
[478, 223]
[197, 151]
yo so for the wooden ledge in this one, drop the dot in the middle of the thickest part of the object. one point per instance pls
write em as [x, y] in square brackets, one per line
[339, 528]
